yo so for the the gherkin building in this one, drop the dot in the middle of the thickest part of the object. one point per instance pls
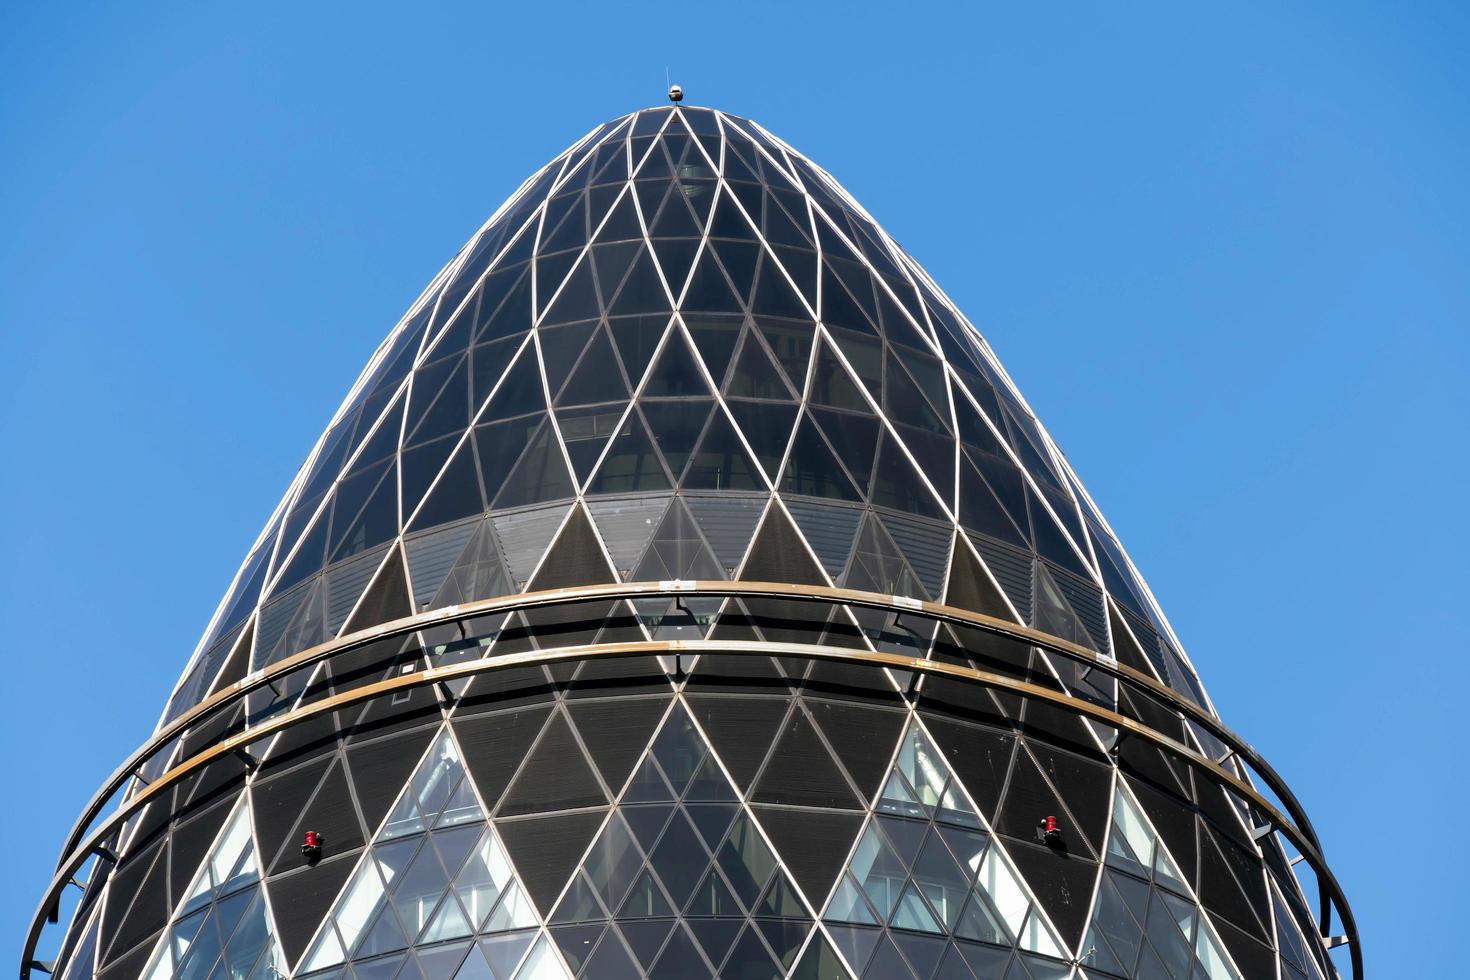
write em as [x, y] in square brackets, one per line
[684, 591]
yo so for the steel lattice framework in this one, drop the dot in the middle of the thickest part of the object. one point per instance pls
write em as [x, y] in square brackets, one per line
[684, 589]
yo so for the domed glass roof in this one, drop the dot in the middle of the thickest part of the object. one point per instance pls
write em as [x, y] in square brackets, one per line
[681, 351]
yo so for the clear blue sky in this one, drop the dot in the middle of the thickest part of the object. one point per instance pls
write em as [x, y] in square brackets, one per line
[1224, 252]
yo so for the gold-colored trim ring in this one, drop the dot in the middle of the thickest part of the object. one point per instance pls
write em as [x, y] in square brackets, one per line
[634, 590]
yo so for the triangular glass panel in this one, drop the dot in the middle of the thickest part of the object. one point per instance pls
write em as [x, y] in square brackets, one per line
[449, 922]
[549, 273]
[375, 523]
[981, 510]
[878, 565]
[746, 861]
[637, 339]
[767, 428]
[673, 218]
[675, 373]
[539, 476]
[785, 937]
[626, 526]
[774, 295]
[560, 348]
[500, 444]
[505, 305]
[646, 937]
[576, 943]
[912, 912]
[865, 360]
[896, 482]
[915, 391]
[712, 820]
[715, 936]
[585, 431]
[1050, 540]
[580, 903]
[386, 597]
[565, 225]
[520, 391]
[833, 386]
[419, 466]
[1054, 614]
[307, 558]
[643, 292]
[849, 904]
[829, 530]
[630, 463]
[440, 403]
[567, 204]
[677, 550]
[382, 443]
[591, 382]
[1122, 586]
[740, 261]
[721, 462]
[839, 308]
[523, 538]
[925, 546]
[676, 261]
[727, 523]
[478, 573]
[788, 221]
[714, 338]
[645, 900]
[621, 225]
[755, 375]
[574, 300]
[613, 263]
[725, 219]
[647, 821]
[676, 427]
[854, 438]
[708, 291]
[812, 470]
[488, 363]
[503, 952]
[542, 964]
[792, 345]
[737, 165]
[923, 953]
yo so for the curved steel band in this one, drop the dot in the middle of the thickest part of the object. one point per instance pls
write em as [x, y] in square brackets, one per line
[1298, 833]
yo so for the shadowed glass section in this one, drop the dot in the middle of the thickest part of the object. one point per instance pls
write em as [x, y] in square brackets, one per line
[436, 872]
[680, 881]
[1146, 921]
[221, 929]
[927, 879]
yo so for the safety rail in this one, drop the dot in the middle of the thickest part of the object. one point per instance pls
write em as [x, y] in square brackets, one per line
[1297, 830]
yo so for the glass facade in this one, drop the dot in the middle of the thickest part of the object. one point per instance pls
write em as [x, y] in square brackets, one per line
[681, 354]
